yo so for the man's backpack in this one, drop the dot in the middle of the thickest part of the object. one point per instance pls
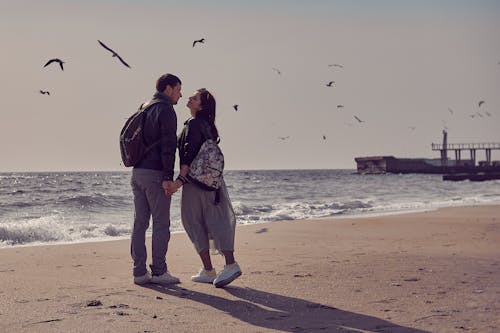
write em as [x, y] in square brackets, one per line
[133, 147]
[206, 169]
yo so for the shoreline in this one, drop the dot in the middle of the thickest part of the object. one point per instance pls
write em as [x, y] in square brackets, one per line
[334, 217]
[434, 271]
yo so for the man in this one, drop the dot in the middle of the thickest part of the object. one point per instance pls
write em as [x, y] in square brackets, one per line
[150, 178]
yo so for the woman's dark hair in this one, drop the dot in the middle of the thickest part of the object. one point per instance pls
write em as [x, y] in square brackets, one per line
[207, 111]
[167, 80]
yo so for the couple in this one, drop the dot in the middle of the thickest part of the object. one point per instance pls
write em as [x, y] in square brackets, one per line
[203, 217]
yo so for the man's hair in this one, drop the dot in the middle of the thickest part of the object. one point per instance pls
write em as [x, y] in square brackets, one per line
[167, 80]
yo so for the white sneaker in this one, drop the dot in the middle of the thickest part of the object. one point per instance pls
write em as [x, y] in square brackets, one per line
[143, 279]
[204, 276]
[164, 279]
[228, 275]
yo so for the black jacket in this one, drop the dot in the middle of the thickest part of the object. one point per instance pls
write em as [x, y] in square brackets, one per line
[160, 124]
[195, 132]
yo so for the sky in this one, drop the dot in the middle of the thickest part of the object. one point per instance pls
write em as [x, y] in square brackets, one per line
[410, 70]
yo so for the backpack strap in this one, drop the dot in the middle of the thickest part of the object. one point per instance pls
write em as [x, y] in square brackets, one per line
[147, 105]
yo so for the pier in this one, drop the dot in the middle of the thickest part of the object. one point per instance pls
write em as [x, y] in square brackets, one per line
[471, 147]
[453, 169]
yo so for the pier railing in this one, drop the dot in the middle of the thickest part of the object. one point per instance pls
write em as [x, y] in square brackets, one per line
[466, 146]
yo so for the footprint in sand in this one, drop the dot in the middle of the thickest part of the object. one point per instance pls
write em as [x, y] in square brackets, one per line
[302, 275]
[412, 279]
[119, 306]
[94, 302]
[261, 231]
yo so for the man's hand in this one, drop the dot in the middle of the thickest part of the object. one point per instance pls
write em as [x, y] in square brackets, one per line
[170, 187]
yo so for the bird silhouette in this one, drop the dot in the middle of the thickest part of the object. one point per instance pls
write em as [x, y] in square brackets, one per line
[329, 84]
[202, 41]
[283, 137]
[235, 107]
[450, 110]
[277, 70]
[59, 61]
[44, 92]
[340, 106]
[336, 65]
[324, 137]
[480, 103]
[114, 53]
[359, 120]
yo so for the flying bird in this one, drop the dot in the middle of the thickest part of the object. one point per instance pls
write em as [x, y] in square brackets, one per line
[359, 120]
[235, 107]
[336, 65]
[44, 92]
[114, 53]
[450, 110]
[202, 41]
[329, 84]
[340, 106]
[59, 61]
[277, 70]
[324, 137]
[480, 103]
[283, 137]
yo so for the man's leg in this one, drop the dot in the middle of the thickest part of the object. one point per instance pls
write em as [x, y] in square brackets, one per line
[141, 224]
[160, 210]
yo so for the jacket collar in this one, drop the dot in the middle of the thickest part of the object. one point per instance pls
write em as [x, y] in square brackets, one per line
[162, 96]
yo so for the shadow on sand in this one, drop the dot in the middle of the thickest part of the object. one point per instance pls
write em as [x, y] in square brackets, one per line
[286, 314]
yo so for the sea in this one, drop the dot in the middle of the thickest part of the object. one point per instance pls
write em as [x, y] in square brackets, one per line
[69, 207]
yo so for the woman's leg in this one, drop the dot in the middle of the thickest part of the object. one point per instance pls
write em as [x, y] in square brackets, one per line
[205, 259]
[229, 256]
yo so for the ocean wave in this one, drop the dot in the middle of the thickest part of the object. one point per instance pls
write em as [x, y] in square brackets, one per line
[54, 228]
[247, 213]
[95, 201]
[71, 207]
[36, 230]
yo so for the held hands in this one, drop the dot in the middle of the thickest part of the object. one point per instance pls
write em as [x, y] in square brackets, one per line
[170, 187]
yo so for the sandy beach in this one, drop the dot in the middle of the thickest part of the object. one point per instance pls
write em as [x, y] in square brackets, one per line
[435, 271]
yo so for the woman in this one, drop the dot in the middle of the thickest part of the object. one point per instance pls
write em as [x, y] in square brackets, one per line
[205, 214]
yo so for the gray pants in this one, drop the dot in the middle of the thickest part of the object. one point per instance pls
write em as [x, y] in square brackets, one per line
[150, 200]
[203, 219]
